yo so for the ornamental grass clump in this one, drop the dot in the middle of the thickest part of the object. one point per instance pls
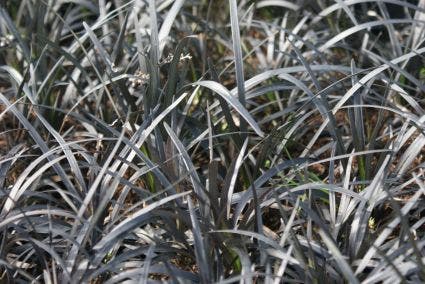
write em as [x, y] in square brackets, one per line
[212, 141]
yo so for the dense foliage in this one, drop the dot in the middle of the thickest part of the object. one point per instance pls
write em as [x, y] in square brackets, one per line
[212, 141]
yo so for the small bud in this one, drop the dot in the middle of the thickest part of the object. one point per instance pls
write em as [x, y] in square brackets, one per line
[139, 79]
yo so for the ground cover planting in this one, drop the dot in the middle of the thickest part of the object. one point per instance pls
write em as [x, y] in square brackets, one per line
[211, 141]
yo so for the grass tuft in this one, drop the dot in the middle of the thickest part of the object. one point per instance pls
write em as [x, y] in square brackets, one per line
[212, 141]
